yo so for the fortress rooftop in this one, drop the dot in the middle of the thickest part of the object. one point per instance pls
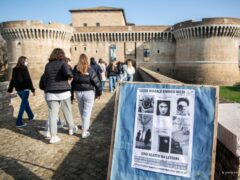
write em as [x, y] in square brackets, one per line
[208, 21]
[99, 8]
[122, 28]
[34, 24]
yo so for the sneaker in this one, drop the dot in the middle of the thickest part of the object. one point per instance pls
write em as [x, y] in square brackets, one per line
[34, 118]
[47, 134]
[54, 139]
[21, 125]
[73, 130]
[85, 134]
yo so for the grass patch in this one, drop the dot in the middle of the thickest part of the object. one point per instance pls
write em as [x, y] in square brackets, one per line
[230, 93]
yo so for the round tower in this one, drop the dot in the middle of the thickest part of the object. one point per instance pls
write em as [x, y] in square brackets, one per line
[207, 51]
[36, 41]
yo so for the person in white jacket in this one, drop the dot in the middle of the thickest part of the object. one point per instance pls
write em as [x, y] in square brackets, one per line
[103, 74]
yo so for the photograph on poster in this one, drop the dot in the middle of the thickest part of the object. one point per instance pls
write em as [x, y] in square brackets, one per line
[164, 142]
[180, 136]
[183, 107]
[144, 131]
[163, 108]
[146, 104]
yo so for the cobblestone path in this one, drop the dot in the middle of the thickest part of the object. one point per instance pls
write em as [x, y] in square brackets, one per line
[26, 154]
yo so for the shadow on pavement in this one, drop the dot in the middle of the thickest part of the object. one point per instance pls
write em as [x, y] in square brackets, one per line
[88, 159]
[14, 169]
[32, 129]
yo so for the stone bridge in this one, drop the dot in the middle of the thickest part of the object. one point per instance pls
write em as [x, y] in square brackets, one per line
[26, 154]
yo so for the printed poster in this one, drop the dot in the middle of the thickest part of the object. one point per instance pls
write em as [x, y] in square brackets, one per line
[163, 131]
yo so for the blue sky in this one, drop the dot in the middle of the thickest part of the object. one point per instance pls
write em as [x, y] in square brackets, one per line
[140, 12]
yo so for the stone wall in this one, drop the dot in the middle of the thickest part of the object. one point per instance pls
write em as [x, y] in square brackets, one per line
[151, 76]
[211, 60]
[227, 164]
[105, 18]
[3, 52]
[129, 44]
[207, 51]
[36, 41]
[6, 110]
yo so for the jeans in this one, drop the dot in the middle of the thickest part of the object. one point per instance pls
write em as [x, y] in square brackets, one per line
[120, 77]
[112, 83]
[85, 101]
[102, 85]
[24, 107]
[130, 77]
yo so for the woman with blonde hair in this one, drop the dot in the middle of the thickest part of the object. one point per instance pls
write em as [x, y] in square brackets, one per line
[85, 81]
[130, 70]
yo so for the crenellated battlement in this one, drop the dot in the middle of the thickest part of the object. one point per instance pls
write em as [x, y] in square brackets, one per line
[122, 36]
[35, 30]
[208, 27]
[205, 51]
[206, 31]
[207, 22]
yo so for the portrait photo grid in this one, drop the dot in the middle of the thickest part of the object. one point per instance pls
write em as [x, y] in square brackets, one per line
[163, 130]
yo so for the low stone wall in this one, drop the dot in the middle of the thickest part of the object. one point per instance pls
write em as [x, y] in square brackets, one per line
[227, 164]
[228, 147]
[151, 76]
[6, 110]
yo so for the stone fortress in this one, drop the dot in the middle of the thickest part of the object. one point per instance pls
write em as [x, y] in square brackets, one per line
[205, 51]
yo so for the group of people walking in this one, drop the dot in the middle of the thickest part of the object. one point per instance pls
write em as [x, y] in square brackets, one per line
[59, 81]
[118, 71]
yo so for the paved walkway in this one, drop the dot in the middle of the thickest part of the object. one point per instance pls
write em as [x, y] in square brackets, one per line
[26, 154]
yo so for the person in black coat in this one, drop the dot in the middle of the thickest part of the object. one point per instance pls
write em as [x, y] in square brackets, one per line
[96, 68]
[57, 88]
[22, 82]
[85, 81]
[112, 75]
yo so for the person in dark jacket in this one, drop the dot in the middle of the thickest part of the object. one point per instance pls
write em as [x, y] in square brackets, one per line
[84, 82]
[112, 75]
[57, 90]
[22, 82]
[120, 71]
[68, 61]
[96, 67]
